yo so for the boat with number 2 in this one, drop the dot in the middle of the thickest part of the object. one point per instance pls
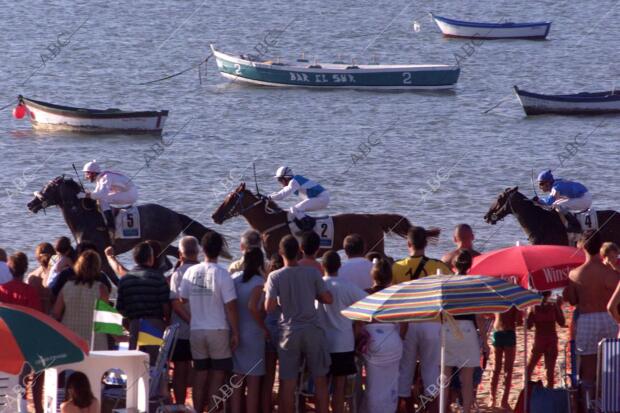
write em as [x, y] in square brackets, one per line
[48, 116]
[252, 70]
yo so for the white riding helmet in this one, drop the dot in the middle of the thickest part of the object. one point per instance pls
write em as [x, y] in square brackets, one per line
[284, 172]
[92, 166]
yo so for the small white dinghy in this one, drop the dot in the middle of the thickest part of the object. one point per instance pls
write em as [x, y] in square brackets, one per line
[48, 116]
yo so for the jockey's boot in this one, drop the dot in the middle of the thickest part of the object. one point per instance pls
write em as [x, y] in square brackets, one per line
[109, 220]
[306, 223]
[572, 223]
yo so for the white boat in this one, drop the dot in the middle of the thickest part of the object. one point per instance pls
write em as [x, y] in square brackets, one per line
[48, 116]
[503, 30]
[584, 103]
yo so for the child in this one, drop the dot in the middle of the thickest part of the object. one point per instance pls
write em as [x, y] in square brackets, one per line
[609, 254]
[80, 398]
[544, 317]
[505, 342]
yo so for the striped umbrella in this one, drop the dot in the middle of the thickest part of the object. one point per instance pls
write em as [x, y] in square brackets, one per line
[426, 298]
[31, 337]
[438, 296]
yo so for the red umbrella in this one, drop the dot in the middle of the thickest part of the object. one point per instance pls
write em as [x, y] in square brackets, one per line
[541, 267]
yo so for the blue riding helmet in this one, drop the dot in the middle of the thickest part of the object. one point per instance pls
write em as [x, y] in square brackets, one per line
[546, 176]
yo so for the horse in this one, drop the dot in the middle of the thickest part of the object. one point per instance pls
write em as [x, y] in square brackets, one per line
[266, 217]
[544, 226]
[86, 223]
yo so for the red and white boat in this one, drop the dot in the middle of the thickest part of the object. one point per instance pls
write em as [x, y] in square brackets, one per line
[48, 116]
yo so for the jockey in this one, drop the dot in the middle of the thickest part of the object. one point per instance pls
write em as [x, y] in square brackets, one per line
[110, 188]
[565, 196]
[315, 196]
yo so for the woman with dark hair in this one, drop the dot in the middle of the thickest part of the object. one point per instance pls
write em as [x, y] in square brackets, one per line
[271, 350]
[462, 351]
[248, 358]
[75, 304]
[43, 254]
[38, 278]
[383, 353]
[79, 396]
[63, 259]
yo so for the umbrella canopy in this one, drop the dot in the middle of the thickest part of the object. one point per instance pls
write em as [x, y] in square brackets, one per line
[30, 337]
[541, 267]
[426, 298]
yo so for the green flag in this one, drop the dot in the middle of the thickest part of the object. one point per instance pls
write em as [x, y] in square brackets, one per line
[107, 319]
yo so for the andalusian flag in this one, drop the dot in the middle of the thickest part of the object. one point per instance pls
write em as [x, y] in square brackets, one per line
[107, 319]
[149, 335]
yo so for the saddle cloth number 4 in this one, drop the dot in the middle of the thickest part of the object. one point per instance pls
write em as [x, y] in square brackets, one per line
[588, 220]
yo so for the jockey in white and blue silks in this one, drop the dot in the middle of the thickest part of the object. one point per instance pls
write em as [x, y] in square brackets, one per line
[563, 195]
[111, 188]
[315, 197]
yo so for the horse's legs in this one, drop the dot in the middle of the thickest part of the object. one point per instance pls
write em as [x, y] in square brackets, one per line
[377, 245]
[171, 251]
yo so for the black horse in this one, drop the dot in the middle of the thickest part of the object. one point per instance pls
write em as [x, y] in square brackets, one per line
[544, 226]
[86, 222]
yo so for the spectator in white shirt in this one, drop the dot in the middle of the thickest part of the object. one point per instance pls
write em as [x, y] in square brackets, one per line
[189, 249]
[356, 269]
[214, 325]
[338, 328]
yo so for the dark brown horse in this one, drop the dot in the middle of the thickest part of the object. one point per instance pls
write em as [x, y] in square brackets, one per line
[266, 217]
[544, 226]
[86, 222]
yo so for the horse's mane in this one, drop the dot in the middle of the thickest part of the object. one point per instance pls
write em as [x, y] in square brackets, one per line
[271, 204]
[530, 201]
[66, 180]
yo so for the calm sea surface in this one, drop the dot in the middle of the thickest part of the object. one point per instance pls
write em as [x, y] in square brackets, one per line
[428, 141]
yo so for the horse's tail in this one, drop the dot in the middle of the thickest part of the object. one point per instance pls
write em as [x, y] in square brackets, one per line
[196, 229]
[400, 225]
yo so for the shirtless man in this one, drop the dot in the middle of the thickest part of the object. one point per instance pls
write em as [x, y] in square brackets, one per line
[590, 287]
[464, 240]
[505, 343]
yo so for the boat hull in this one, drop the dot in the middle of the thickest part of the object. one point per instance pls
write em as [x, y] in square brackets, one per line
[365, 77]
[490, 31]
[577, 104]
[48, 117]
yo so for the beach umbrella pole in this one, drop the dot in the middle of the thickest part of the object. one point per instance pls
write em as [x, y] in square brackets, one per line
[527, 379]
[442, 376]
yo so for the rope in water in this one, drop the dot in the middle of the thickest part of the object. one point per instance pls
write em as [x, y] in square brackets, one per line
[9, 105]
[182, 72]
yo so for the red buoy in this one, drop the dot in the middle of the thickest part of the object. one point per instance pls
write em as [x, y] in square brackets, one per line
[19, 111]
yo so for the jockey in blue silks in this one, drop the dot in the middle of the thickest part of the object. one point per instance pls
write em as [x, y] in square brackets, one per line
[315, 197]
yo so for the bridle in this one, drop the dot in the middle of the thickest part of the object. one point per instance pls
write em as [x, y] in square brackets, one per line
[238, 209]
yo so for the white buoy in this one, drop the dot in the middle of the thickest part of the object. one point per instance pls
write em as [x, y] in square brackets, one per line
[416, 26]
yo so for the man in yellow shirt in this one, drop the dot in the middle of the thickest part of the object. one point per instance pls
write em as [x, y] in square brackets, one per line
[422, 339]
[417, 265]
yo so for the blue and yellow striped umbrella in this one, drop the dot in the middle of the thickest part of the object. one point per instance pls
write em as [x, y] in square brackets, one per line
[426, 298]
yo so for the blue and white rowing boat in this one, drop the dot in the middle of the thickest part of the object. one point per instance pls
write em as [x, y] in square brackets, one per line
[253, 70]
[502, 30]
[574, 104]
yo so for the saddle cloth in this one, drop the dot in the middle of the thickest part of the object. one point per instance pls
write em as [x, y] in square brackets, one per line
[323, 226]
[127, 223]
[588, 219]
